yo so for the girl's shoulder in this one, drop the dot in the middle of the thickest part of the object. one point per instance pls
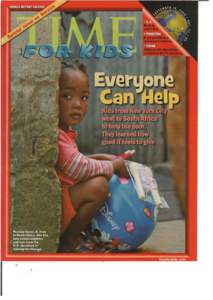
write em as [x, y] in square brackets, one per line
[67, 135]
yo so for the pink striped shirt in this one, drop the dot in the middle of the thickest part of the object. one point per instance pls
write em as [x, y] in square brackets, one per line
[73, 166]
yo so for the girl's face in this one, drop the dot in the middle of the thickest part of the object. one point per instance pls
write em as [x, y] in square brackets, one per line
[73, 97]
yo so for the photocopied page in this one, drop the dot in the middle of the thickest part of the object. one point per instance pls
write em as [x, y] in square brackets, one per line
[99, 126]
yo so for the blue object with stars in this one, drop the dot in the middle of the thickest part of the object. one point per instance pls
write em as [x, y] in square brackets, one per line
[125, 221]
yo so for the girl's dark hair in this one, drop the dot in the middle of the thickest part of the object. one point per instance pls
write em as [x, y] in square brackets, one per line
[74, 65]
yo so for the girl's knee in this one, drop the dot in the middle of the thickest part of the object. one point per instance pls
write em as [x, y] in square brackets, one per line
[99, 188]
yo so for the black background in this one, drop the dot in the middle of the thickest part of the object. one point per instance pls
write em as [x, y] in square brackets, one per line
[190, 8]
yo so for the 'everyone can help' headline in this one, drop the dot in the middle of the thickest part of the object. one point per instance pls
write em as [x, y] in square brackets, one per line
[153, 89]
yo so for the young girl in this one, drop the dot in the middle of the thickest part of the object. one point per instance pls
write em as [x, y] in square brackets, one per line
[84, 180]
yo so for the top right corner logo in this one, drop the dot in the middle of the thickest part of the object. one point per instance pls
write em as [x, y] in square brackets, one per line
[175, 22]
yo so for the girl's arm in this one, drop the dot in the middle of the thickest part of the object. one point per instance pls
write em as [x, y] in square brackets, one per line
[102, 156]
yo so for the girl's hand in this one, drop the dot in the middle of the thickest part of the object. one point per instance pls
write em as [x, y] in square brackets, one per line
[120, 167]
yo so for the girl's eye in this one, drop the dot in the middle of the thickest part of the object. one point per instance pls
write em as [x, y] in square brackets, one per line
[84, 98]
[67, 97]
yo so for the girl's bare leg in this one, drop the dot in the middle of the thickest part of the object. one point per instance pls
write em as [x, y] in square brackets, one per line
[87, 198]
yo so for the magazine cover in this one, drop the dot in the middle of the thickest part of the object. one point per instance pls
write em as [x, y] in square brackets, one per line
[99, 130]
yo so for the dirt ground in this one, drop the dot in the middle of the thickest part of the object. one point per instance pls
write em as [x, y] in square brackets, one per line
[168, 237]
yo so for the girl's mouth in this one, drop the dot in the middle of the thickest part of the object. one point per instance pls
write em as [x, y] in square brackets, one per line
[75, 116]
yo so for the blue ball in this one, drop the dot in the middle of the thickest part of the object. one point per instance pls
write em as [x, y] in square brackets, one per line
[125, 221]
